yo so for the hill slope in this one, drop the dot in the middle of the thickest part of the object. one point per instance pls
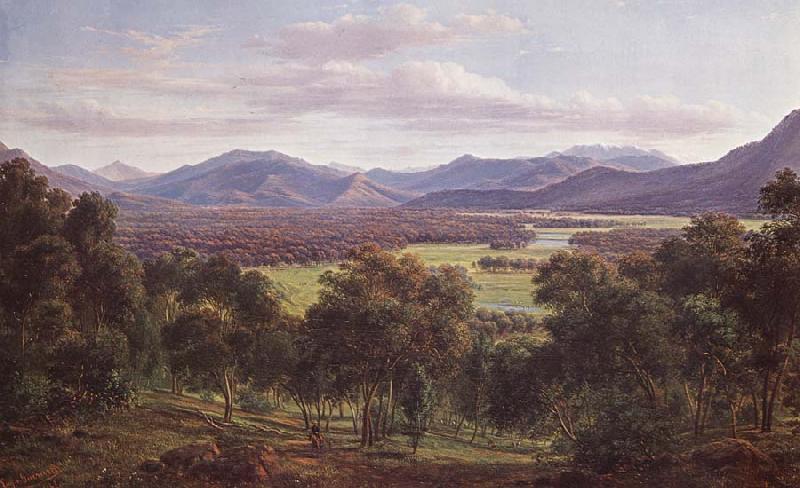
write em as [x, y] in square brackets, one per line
[470, 172]
[83, 174]
[119, 171]
[269, 179]
[68, 183]
[729, 184]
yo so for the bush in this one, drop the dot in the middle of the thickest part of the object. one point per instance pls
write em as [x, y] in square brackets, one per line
[624, 431]
[252, 400]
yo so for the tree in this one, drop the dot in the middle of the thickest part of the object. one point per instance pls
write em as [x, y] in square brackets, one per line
[90, 222]
[699, 271]
[28, 208]
[216, 337]
[379, 311]
[617, 329]
[770, 298]
[109, 290]
[43, 270]
[470, 387]
[166, 278]
[418, 401]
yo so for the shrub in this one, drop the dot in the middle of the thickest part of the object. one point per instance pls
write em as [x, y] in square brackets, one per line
[252, 400]
[623, 431]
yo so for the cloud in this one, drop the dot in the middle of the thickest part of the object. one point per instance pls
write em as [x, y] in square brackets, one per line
[489, 23]
[90, 117]
[355, 37]
[421, 96]
[433, 96]
[151, 47]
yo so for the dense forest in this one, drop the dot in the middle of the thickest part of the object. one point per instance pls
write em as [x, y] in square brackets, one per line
[275, 236]
[633, 353]
[615, 243]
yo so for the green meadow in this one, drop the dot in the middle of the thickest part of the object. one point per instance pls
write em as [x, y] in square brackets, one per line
[494, 290]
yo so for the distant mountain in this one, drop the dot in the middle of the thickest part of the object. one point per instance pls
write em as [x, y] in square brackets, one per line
[119, 171]
[470, 172]
[269, 179]
[606, 152]
[346, 167]
[72, 185]
[730, 184]
[622, 157]
[83, 174]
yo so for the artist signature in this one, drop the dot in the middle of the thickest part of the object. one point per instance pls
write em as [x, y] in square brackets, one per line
[48, 474]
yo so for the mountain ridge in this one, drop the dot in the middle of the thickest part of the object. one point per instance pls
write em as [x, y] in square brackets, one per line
[730, 184]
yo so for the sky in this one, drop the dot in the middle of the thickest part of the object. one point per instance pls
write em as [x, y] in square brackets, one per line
[159, 84]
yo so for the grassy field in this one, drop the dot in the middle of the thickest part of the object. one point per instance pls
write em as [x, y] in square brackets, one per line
[498, 290]
[110, 450]
[300, 284]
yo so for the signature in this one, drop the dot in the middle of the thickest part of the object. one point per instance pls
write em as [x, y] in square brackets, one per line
[48, 474]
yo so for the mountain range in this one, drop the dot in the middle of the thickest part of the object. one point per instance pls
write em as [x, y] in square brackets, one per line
[598, 178]
[730, 184]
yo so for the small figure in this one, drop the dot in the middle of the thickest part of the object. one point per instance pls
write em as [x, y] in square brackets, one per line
[316, 437]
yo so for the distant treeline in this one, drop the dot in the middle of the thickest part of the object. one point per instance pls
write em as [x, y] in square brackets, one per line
[494, 263]
[262, 236]
[618, 242]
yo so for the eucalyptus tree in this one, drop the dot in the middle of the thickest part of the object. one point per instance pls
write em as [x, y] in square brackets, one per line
[379, 311]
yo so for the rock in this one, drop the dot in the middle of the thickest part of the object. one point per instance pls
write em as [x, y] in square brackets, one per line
[152, 466]
[80, 434]
[736, 458]
[187, 456]
[241, 464]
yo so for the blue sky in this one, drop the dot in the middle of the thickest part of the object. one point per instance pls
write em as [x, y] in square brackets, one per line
[164, 83]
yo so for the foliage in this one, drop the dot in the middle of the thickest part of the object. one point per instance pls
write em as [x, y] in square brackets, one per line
[418, 402]
[614, 243]
[623, 431]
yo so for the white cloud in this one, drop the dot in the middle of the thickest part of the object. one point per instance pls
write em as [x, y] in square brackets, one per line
[146, 46]
[353, 37]
[445, 96]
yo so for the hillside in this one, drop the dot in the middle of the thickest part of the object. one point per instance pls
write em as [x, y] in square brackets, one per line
[730, 184]
[267, 179]
[83, 174]
[68, 183]
[119, 171]
[470, 172]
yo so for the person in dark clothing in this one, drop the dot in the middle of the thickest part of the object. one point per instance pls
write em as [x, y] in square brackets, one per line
[316, 436]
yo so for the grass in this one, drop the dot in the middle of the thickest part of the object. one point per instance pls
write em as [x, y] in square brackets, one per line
[115, 447]
[300, 286]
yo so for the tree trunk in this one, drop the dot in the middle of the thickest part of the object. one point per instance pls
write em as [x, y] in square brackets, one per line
[733, 419]
[227, 393]
[379, 417]
[328, 417]
[368, 392]
[384, 430]
[458, 427]
[754, 399]
[699, 401]
[765, 402]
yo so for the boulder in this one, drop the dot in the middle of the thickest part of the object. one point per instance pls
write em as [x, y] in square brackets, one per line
[187, 456]
[152, 466]
[245, 464]
[735, 458]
